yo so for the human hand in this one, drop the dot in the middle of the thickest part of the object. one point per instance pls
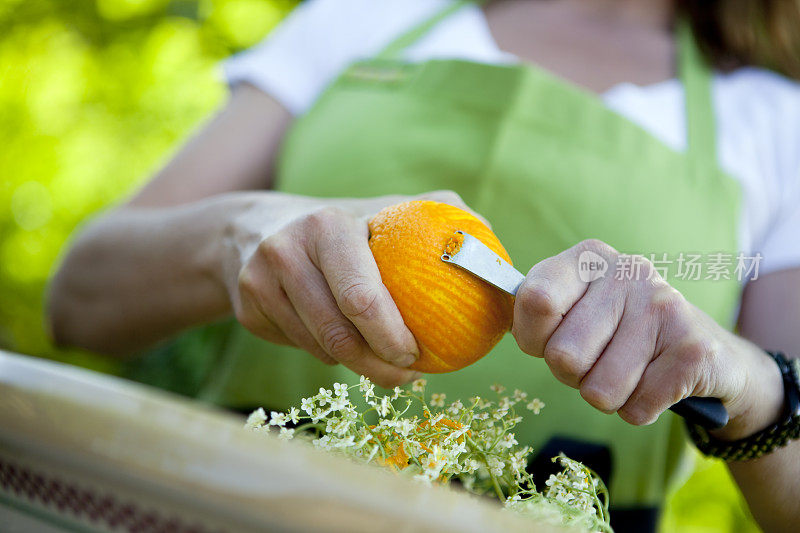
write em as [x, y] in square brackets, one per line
[637, 346]
[311, 282]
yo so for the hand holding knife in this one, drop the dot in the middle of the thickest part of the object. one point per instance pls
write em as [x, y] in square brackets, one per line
[476, 258]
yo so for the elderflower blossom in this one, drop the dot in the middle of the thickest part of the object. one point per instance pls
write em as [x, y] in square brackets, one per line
[307, 405]
[383, 408]
[499, 389]
[367, 388]
[324, 397]
[437, 399]
[535, 405]
[277, 419]
[495, 466]
[455, 407]
[340, 389]
[508, 441]
[571, 486]
[256, 419]
[339, 403]
[403, 427]
[434, 442]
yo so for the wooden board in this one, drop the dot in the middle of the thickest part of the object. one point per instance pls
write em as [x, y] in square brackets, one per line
[88, 452]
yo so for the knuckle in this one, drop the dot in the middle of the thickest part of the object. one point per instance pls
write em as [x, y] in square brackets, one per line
[246, 282]
[697, 354]
[564, 362]
[276, 251]
[358, 299]
[599, 397]
[525, 339]
[536, 300]
[635, 416]
[326, 218]
[393, 348]
[529, 339]
[665, 302]
[597, 246]
[339, 340]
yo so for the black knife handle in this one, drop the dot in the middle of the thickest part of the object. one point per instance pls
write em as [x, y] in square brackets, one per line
[706, 412]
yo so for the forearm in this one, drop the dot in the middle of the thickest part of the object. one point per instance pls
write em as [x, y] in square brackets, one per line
[771, 483]
[138, 275]
[771, 486]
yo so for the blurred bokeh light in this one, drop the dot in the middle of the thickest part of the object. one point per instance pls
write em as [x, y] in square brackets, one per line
[93, 97]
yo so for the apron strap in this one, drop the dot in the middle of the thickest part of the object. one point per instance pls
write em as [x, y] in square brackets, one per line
[408, 38]
[695, 75]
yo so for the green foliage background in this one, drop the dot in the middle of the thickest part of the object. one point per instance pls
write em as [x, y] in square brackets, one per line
[94, 96]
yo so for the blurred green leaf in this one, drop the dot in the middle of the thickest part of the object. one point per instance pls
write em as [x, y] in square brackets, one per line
[94, 97]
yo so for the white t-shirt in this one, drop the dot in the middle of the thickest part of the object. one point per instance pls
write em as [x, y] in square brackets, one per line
[757, 111]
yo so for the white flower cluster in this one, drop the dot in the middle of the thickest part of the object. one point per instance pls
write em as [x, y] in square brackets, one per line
[575, 494]
[574, 485]
[435, 442]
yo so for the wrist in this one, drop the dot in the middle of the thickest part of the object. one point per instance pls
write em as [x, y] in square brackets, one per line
[215, 252]
[765, 441]
[762, 401]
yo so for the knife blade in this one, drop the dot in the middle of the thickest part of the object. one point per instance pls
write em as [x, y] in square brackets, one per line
[478, 259]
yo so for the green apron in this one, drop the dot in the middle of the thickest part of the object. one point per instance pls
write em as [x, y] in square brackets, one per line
[549, 165]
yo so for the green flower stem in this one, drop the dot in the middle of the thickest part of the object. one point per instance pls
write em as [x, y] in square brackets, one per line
[309, 425]
[374, 437]
[495, 484]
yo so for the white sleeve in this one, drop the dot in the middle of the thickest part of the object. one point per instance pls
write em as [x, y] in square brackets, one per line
[780, 245]
[317, 41]
[781, 248]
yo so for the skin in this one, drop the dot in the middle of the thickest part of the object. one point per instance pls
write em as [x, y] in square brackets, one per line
[209, 239]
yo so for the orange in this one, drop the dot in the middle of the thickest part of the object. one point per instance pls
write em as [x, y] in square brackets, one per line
[455, 317]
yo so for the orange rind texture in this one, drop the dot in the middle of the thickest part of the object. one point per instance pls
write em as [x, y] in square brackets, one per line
[454, 244]
[455, 317]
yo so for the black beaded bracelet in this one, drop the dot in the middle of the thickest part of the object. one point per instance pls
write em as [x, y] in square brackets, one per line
[768, 439]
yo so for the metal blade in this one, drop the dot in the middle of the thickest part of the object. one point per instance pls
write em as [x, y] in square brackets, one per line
[476, 258]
